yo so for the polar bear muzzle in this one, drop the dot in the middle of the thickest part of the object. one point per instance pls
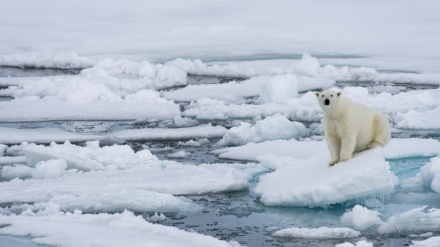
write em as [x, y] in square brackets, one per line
[326, 102]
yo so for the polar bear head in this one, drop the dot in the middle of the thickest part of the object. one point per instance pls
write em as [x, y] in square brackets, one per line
[328, 99]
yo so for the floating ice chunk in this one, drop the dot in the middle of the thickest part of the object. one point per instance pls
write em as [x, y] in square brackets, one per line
[396, 148]
[311, 182]
[419, 119]
[157, 217]
[430, 174]
[118, 201]
[146, 96]
[271, 128]
[292, 148]
[412, 221]
[13, 111]
[59, 61]
[12, 160]
[411, 147]
[249, 88]
[423, 235]
[317, 233]
[430, 242]
[90, 157]
[361, 243]
[279, 89]
[179, 155]
[64, 229]
[46, 135]
[2, 147]
[361, 218]
[307, 65]
[49, 169]
[205, 131]
[180, 121]
[190, 143]
[19, 171]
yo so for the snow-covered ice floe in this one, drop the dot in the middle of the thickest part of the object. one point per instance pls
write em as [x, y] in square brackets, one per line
[361, 243]
[317, 233]
[361, 218]
[148, 185]
[271, 128]
[396, 149]
[45, 110]
[430, 242]
[87, 230]
[430, 174]
[311, 182]
[47, 135]
[204, 131]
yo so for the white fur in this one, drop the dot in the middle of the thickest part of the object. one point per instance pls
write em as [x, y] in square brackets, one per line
[351, 127]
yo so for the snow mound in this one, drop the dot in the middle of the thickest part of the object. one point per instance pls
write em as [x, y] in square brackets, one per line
[87, 230]
[317, 233]
[271, 128]
[361, 218]
[431, 174]
[411, 147]
[419, 119]
[311, 182]
[412, 221]
[91, 157]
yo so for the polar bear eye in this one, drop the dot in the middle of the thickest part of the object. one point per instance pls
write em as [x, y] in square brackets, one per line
[323, 96]
[331, 95]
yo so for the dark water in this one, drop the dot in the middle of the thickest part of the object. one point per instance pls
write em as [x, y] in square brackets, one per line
[240, 216]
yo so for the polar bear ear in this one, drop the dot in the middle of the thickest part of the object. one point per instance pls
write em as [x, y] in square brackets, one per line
[339, 94]
[316, 94]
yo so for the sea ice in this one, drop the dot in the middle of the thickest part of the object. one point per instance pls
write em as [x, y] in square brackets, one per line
[430, 242]
[87, 230]
[311, 182]
[395, 149]
[179, 155]
[249, 88]
[361, 243]
[271, 128]
[361, 218]
[46, 135]
[204, 131]
[317, 233]
[412, 221]
[430, 174]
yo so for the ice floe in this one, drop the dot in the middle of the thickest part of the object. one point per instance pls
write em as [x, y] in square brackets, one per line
[204, 131]
[361, 243]
[271, 128]
[430, 242]
[249, 88]
[311, 182]
[412, 221]
[17, 111]
[361, 218]
[146, 178]
[87, 230]
[47, 135]
[317, 233]
[430, 174]
[396, 148]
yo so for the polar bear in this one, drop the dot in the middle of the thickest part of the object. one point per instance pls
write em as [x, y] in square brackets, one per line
[350, 127]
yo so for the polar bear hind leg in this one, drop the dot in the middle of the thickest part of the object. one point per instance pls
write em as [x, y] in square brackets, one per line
[382, 133]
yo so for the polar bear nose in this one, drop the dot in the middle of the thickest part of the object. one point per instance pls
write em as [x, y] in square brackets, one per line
[326, 102]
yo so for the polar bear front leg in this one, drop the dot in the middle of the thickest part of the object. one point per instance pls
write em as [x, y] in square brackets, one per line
[334, 146]
[348, 144]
